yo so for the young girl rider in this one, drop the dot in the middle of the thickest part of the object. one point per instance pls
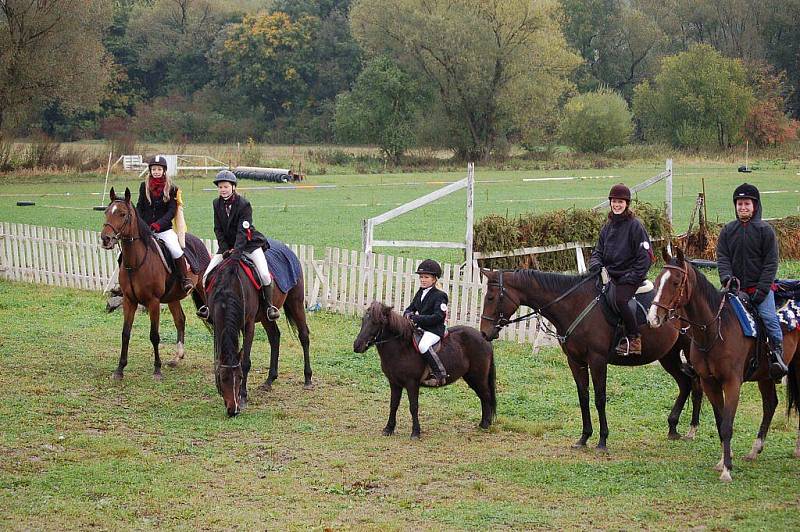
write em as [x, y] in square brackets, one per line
[624, 250]
[157, 206]
[236, 235]
[427, 311]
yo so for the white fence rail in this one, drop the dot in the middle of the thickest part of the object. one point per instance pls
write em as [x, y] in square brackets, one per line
[343, 281]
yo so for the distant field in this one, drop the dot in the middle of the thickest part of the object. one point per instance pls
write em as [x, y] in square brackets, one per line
[81, 451]
[332, 216]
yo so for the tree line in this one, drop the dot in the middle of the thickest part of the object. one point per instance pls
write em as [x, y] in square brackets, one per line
[475, 76]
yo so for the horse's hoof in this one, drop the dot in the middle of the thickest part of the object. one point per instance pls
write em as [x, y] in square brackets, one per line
[725, 476]
[750, 456]
[414, 436]
[387, 431]
[266, 387]
[673, 436]
[602, 448]
[578, 445]
[484, 425]
[797, 453]
[157, 377]
[242, 403]
[117, 375]
[691, 434]
[309, 386]
[173, 363]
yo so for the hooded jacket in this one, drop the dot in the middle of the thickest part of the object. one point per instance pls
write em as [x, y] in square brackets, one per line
[748, 250]
[624, 249]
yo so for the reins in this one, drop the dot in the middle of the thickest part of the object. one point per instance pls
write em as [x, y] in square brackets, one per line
[122, 239]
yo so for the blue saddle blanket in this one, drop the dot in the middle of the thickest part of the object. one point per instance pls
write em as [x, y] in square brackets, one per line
[789, 315]
[283, 265]
[746, 320]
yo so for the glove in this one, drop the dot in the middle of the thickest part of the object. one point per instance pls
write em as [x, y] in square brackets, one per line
[414, 318]
[758, 297]
[156, 227]
[724, 281]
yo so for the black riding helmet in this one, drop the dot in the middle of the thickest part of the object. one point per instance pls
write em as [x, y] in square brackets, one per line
[620, 191]
[226, 175]
[431, 267]
[746, 190]
[158, 160]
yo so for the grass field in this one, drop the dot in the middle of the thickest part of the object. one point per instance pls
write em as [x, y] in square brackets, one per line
[82, 451]
[332, 216]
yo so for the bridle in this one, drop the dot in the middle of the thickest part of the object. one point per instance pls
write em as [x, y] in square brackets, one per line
[227, 263]
[672, 308]
[375, 338]
[121, 239]
[502, 321]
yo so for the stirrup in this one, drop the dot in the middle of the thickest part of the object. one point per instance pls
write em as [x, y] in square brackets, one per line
[202, 312]
[435, 381]
[623, 351]
[273, 313]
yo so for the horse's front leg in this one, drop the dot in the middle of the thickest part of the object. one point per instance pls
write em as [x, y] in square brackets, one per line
[599, 376]
[129, 312]
[394, 403]
[274, 337]
[154, 309]
[179, 318]
[581, 376]
[247, 345]
[769, 402]
[413, 407]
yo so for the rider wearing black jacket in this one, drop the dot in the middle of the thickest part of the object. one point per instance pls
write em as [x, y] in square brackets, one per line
[748, 250]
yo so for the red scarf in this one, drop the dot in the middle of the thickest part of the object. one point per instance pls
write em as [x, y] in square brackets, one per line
[157, 186]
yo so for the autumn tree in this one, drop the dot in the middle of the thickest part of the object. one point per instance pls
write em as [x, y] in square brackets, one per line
[496, 65]
[51, 52]
[597, 121]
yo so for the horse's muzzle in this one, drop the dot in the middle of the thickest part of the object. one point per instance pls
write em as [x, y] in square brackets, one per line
[233, 411]
[108, 242]
[360, 346]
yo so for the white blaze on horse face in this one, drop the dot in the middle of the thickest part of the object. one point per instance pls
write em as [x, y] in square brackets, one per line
[114, 209]
[652, 314]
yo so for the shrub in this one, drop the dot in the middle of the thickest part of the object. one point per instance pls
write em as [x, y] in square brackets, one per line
[596, 121]
[766, 125]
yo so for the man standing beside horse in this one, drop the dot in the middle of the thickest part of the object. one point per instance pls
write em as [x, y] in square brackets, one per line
[748, 250]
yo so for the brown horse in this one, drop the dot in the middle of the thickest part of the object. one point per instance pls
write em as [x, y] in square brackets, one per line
[569, 302]
[464, 353]
[144, 279]
[720, 352]
[234, 306]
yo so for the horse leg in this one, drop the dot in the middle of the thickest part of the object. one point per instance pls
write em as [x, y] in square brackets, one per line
[129, 312]
[731, 389]
[413, 407]
[697, 404]
[671, 363]
[481, 389]
[581, 376]
[769, 402]
[274, 337]
[599, 375]
[397, 393]
[714, 392]
[179, 318]
[303, 336]
[154, 309]
[247, 345]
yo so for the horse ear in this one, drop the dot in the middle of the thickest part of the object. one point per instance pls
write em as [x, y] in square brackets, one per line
[113, 195]
[680, 256]
[387, 310]
[665, 255]
[127, 195]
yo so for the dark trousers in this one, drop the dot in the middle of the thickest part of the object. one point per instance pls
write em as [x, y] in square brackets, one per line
[622, 294]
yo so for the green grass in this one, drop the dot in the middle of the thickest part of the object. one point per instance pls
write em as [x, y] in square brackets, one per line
[332, 217]
[80, 450]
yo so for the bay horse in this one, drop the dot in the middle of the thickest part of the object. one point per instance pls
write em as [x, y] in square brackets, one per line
[145, 280]
[720, 353]
[569, 303]
[463, 351]
[234, 306]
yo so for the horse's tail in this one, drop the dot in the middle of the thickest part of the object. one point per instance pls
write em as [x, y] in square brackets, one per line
[793, 388]
[291, 309]
[492, 385]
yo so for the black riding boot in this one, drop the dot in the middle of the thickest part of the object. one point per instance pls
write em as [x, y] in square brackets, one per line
[777, 366]
[182, 269]
[266, 295]
[438, 376]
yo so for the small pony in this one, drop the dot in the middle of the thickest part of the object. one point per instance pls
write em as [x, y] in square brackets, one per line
[463, 352]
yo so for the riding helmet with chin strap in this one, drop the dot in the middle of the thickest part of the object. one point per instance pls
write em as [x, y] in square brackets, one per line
[430, 267]
[226, 175]
[746, 190]
[158, 160]
[621, 192]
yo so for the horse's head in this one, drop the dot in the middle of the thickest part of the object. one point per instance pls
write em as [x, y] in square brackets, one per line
[120, 220]
[227, 315]
[375, 320]
[673, 288]
[500, 302]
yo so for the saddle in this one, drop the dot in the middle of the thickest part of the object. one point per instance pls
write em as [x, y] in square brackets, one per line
[247, 267]
[418, 336]
[638, 304]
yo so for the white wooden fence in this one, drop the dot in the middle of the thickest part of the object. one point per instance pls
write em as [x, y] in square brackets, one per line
[343, 281]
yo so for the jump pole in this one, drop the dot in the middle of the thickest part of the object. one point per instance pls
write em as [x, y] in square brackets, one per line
[105, 183]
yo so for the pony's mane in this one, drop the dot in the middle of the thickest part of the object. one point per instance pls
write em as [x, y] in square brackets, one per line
[705, 289]
[394, 322]
[232, 313]
[556, 282]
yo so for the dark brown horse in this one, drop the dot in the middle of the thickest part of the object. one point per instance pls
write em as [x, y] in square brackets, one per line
[720, 352]
[235, 306]
[464, 353]
[570, 303]
[144, 279]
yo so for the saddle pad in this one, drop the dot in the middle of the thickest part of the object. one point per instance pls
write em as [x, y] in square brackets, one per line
[747, 321]
[789, 315]
[283, 265]
[787, 289]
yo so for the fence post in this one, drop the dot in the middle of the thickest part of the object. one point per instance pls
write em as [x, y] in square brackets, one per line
[669, 190]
